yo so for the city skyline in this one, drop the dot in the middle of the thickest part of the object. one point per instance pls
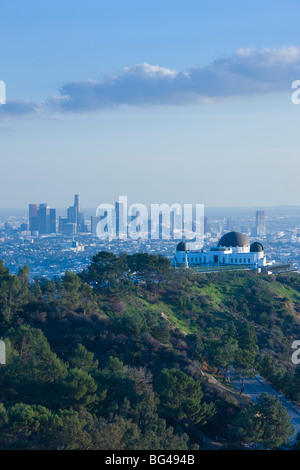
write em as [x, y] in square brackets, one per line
[45, 220]
[124, 222]
[53, 253]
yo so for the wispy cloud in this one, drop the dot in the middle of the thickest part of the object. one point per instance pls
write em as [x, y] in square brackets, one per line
[20, 108]
[246, 72]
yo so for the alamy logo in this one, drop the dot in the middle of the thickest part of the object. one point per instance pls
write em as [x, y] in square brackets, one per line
[2, 92]
[296, 354]
[2, 353]
[159, 222]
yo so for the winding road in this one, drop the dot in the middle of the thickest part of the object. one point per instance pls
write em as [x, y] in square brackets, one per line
[256, 386]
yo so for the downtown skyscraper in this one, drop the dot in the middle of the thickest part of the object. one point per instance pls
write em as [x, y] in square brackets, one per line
[74, 222]
[260, 218]
[42, 219]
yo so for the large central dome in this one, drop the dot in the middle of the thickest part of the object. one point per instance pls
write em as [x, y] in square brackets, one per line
[233, 239]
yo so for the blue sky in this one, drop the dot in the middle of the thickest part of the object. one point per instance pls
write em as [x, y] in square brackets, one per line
[164, 101]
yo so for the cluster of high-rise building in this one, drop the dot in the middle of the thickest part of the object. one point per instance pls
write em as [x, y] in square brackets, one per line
[74, 222]
[163, 223]
[258, 230]
[42, 219]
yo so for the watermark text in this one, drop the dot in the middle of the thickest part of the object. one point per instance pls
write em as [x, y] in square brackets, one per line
[2, 352]
[296, 354]
[2, 92]
[158, 222]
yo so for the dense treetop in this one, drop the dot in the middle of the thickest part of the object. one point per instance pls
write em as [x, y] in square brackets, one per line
[119, 356]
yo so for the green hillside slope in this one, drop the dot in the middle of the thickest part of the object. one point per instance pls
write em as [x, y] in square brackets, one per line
[123, 355]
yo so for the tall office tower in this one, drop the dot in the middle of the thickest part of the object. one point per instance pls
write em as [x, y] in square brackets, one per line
[81, 227]
[176, 223]
[33, 217]
[230, 224]
[72, 215]
[42, 219]
[207, 227]
[75, 216]
[70, 229]
[52, 221]
[94, 222]
[77, 202]
[121, 219]
[260, 223]
[118, 213]
[62, 221]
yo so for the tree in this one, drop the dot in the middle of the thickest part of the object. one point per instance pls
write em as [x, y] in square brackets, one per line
[149, 267]
[274, 422]
[37, 292]
[295, 388]
[267, 366]
[11, 295]
[39, 363]
[79, 388]
[116, 433]
[246, 354]
[23, 275]
[48, 288]
[87, 298]
[83, 360]
[181, 398]
[70, 288]
[222, 354]
[161, 332]
[28, 425]
[33, 370]
[115, 379]
[3, 419]
[265, 424]
[296, 446]
[227, 355]
[105, 270]
[245, 428]
[158, 435]
[197, 347]
[70, 432]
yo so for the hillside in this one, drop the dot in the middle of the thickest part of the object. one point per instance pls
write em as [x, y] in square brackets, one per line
[119, 356]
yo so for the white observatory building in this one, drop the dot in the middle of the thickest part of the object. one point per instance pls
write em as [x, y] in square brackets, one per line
[233, 249]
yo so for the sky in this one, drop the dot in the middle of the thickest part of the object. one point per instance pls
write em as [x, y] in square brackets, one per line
[176, 101]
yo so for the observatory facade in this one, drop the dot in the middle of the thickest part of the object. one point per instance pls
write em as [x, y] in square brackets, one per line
[233, 249]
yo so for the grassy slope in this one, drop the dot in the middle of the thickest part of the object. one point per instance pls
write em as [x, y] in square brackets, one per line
[271, 304]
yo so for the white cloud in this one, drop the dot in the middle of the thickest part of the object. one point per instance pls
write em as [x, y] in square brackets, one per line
[154, 71]
[246, 72]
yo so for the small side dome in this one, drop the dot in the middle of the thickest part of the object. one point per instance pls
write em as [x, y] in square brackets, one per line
[182, 246]
[256, 247]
